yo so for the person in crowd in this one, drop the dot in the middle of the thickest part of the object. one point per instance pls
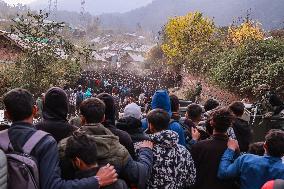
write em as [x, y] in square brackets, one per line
[109, 123]
[175, 108]
[20, 110]
[109, 148]
[79, 97]
[256, 148]
[192, 122]
[241, 127]
[161, 100]
[88, 93]
[39, 104]
[252, 170]
[211, 104]
[131, 123]
[72, 104]
[55, 112]
[81, 149]
[274, 184]
[207, 153]
[173, 166]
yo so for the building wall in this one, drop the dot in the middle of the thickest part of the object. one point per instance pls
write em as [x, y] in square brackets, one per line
[8, 51]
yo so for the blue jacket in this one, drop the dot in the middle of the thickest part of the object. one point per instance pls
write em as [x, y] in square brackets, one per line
[253, 171]
[46, 154]
[161, 100]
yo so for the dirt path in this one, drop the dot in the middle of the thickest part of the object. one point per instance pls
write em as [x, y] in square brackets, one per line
[209, 90]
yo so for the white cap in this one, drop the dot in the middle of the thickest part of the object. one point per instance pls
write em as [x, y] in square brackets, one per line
[132, 110]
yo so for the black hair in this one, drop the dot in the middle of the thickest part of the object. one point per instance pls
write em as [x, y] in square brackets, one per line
[83, 147]
[19, 104]
[159, 119]
[237, 108]
[275, 143]
[174, 103]
[256, 148]
[93, 110]
[222, 119]
[211, 104]
[194, 111]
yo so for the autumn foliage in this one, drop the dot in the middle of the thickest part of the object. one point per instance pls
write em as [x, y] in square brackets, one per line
[238, 57]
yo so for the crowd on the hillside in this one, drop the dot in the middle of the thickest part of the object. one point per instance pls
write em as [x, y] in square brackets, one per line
[211, 147]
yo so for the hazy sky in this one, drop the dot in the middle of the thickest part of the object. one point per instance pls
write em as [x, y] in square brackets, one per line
[93, 6]
[18, 1]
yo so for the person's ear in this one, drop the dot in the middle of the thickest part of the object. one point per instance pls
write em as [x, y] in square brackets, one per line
[77, 163]
[34, 111]
[83, 120]
[7, 115]
[265, 147]
[151, 128]
[104, 118]
[186, 115]
[211, 122]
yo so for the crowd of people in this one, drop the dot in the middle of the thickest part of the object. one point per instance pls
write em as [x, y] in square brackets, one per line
[211, 147]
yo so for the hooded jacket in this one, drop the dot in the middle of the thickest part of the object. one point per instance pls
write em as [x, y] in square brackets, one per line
[88, 94]
[173, 165]
[161, 100]
[133, 127]
[55, 111]
[109, 123]
[111, 151]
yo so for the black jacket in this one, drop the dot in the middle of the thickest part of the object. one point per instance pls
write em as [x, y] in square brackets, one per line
[55, 110]
[124, 137]
[243, 133]
[133, 127]
[46, 154]
[59, 130]
[207, 155]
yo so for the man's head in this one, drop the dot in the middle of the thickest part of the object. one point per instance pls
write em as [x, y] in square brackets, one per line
[238, 108]
[55, 105]
[274, 143]
[194, 112]
[110, 108]
[174, 103]
[158, 120]
[19, 105]
[211, 104]
[221, 120]
[81, 149]
[92, 110]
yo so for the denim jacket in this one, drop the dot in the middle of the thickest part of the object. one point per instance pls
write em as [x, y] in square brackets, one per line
[252, 171]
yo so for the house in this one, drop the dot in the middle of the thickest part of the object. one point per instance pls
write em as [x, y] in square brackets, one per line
[10, 48]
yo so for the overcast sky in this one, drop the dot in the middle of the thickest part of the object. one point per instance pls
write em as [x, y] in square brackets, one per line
[18, 1]
[93, 6]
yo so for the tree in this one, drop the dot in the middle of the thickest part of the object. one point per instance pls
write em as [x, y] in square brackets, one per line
[188, 40]
[47, 59]
[247, 31]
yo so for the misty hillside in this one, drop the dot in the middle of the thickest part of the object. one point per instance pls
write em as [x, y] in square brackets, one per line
[94, 7]
[152, 17]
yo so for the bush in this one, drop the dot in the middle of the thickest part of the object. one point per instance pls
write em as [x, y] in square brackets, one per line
[244, 68]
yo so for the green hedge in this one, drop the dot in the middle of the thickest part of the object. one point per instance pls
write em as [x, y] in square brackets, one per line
[244, 68]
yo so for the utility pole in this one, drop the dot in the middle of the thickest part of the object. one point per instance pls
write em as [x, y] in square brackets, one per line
[55, 8]
[82, 12]
[49, 6]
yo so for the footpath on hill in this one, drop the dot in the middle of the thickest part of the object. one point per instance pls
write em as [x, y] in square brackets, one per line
[209, 90]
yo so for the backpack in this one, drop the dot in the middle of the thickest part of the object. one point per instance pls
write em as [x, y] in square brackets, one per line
[22, 168]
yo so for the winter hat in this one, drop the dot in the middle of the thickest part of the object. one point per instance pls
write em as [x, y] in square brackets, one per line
[132, 110]
[55, 106]
[110, 107]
